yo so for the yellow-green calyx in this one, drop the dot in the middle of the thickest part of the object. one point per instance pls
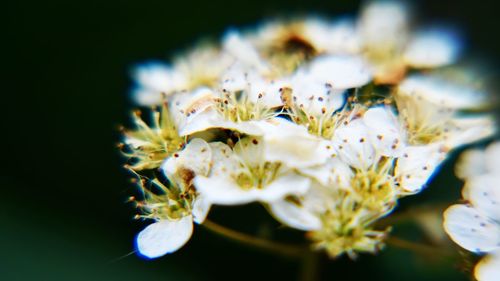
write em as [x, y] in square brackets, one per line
[148, 146]
[169, 201]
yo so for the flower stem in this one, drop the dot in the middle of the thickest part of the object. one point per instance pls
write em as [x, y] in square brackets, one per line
[309, 270]
[423, 249]
[286, 250]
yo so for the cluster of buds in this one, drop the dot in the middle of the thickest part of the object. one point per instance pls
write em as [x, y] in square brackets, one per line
[326, 123]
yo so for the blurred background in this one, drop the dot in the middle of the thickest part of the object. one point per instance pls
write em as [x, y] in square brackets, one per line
[64, 214]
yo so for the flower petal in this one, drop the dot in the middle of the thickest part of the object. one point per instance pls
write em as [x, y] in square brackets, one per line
[432, 48]
[493, 157]
[292, 144]
[471, 163]
[483, 192]
[164, 237]
[333, 172]
[295, 216]
[353, 145]
[488, 269]
[341, 71]
[385, 132]
[224, 191]
[201, 207]
[417, 165]
[441, 92]
[196, 156]
[470, 229]
[288, 184]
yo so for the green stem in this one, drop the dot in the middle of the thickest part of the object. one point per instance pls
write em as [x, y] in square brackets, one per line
[309, 270]
[423, 249]
[282, 249]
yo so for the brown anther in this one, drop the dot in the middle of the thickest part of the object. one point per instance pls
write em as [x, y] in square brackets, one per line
[380, 137]
[362, 140]
[254, 141]
[176, 155]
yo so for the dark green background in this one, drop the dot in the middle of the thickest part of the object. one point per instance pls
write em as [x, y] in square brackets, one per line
[66, 70]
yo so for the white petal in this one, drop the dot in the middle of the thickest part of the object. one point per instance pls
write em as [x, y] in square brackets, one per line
[292, 144]
[488, 269]
[201, 207]
[342, 71]
[250, 151]
[295, 216]
[164, 237]
[333, 172]
[417, 165]
[243, 50]
[441, 92]
[471, 163]
[385, 131]
[289, 184]
[432, 48]
[483, 192]
[384, 24]
[353, 145]
[224, 191]
[224, 160]
[315, 95]
[471, 229]
[493, 158]
[196, 156]
[469, 129]
[153, 79]
[337, 38]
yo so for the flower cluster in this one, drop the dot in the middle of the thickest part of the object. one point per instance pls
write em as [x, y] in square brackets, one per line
[475, 225]
[326, 123]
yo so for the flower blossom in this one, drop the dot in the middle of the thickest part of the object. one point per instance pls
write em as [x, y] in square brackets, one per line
[475, 226]
[318, 120]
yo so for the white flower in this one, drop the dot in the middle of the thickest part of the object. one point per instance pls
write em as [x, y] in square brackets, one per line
[168, 234]
[476, 226]
[242, 175]
[362, 142]
[199, 68]
[431, 111]
[392, 48]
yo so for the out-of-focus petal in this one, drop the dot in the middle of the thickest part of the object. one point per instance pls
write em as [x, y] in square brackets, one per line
[164, 237]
